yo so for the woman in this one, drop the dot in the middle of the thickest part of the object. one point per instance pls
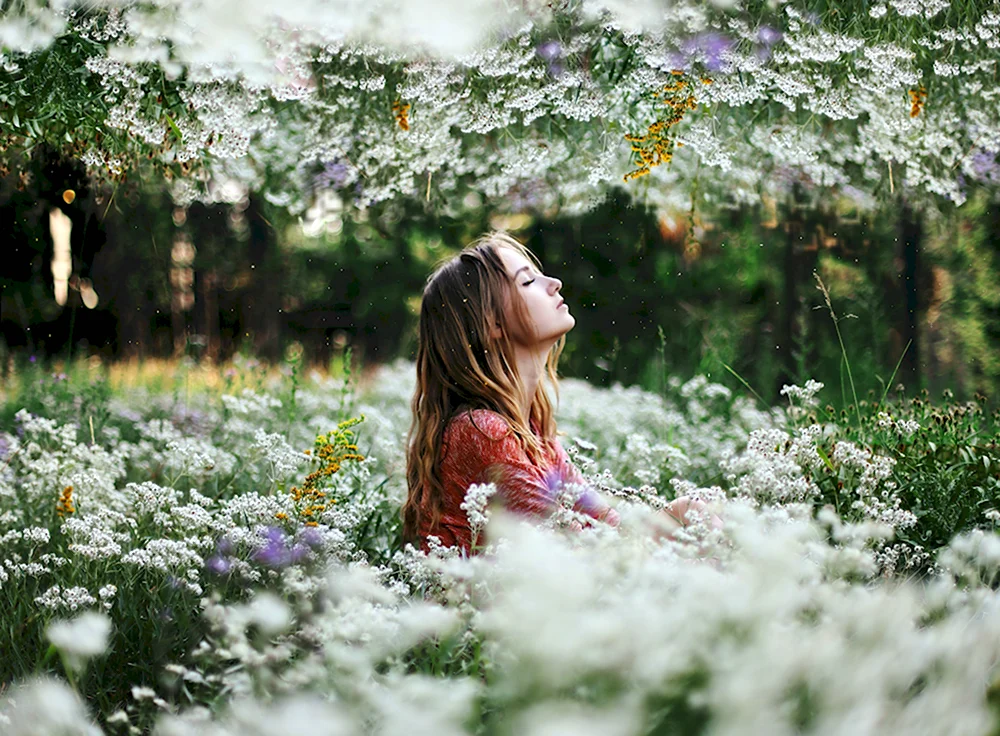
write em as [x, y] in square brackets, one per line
[492, 327]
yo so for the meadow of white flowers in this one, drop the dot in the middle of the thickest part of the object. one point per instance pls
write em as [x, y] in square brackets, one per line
[534, 104]
[168, 568]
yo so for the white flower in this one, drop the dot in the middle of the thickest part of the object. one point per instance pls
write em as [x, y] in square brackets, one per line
[44, 706]
[269, 613]
[143, 693]
[83, 637]
[806, 394]
[72, 598]
[474, 505]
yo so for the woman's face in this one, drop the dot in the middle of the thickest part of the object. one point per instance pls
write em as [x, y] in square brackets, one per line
[547, 312]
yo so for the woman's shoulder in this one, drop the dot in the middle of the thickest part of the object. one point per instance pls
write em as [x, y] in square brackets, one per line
[481, 422]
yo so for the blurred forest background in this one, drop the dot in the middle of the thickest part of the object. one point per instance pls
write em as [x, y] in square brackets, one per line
[653, 295]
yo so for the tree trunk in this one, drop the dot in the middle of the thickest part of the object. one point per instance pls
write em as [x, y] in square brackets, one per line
[264, 297]
[209, 298]
[911, 233]
[789, 304]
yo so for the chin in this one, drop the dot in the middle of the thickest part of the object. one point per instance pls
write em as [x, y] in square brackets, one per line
[570, 324]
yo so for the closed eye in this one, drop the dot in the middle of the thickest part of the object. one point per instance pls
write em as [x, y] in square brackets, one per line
[526, 283]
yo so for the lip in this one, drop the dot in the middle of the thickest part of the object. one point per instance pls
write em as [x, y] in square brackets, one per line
[562, 303]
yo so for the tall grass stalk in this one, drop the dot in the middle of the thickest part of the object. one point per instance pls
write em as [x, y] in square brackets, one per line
[661, 352]
[745, 384]
[840, 339]
[899, 362]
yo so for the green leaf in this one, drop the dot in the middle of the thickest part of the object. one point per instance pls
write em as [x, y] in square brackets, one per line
[822, 453]
[175, 129]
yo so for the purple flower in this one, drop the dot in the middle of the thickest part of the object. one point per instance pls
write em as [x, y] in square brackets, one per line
[4, 448]
[225, 546]
[708, 48]
[274, 534]
[333, 176]
[985, 167]
[553, 482]
[769, 36]
[31, 359]
[20, 428]
[675, 60]
[275, 552]
[218, 565]
[299, 553]
[588, 502]
[311, 536]
[549, 50]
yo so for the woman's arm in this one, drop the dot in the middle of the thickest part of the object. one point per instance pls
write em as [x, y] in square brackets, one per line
[485, 442]
[590, 501]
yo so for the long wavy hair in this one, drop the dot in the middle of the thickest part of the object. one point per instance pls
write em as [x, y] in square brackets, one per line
[461, 362]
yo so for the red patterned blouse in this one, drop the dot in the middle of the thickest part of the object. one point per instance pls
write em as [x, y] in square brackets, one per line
[478, 447]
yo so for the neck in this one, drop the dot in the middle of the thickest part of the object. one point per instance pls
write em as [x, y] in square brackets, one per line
[530, 367]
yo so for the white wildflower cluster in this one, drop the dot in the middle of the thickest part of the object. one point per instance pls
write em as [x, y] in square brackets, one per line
[974, 558]
[48, 457]
[99, 535]
[806, 395]
[180, 557]
[57, 598]
[736, 615]
[476, 499]
[282, 459]
[926, 8]
[45, 706]
[878, 501]
[251, 405]
[81, 638]
[903, 427]
[644, 439]
[770, 621]
[178, 454]
[775, 467]
[272, 102]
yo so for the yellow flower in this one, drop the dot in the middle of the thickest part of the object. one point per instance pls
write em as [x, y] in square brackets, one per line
[65, 504]
[656, 147]
[918, 97]
[402, 114]
[329, 452]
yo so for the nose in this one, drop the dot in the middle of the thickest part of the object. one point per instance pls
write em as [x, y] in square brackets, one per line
[554, 284]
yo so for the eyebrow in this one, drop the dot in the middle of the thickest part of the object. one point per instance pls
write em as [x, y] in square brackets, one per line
[522, 268]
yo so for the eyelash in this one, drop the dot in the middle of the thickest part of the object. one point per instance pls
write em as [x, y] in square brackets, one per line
[526, 283]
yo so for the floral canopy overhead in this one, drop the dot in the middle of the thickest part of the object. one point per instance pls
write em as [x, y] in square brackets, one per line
[527, 103]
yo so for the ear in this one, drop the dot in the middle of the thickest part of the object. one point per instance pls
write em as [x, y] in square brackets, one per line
[496, 331]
